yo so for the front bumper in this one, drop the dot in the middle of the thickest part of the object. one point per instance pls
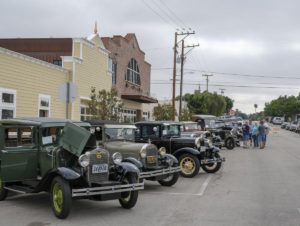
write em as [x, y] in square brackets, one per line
[160, 172]
[208, 161]
[84, 192]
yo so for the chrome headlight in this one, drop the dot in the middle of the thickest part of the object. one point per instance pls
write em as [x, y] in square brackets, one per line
[143, 151]
[117, 158]
[162, 151]
[84, 160]
[198, 142]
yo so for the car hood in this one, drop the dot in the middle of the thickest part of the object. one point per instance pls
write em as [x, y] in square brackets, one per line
[123, 146]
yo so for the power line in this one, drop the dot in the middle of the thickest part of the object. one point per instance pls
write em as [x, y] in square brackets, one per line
[172, 12]
[232, 86]
[235, 74]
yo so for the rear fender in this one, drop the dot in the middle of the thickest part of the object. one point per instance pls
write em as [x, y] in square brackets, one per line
[186, 150]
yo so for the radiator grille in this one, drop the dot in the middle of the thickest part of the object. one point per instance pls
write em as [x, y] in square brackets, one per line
[98, 156]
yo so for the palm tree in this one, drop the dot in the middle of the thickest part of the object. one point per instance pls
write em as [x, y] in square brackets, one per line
[255, 106]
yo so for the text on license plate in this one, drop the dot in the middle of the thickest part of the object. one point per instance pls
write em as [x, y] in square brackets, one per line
[100, 168]
[151, 159]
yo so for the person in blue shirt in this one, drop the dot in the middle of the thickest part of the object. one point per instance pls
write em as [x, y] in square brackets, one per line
[261, 135]
[254, 132]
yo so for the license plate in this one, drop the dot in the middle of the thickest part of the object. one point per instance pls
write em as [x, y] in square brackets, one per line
[151, 159]
[100, 168]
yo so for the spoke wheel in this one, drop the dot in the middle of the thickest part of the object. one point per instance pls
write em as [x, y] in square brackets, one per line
[229, 143]
[3, 191]
[170, 180]
[61, 198]
[129, 199]
[189, 165]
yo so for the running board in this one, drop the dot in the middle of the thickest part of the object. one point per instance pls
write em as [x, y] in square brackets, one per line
[19, 189]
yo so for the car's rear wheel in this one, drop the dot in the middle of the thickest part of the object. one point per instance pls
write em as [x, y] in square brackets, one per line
[61, 197]
[129, 199]
[229, 143]
[189, 165]
[3, 191]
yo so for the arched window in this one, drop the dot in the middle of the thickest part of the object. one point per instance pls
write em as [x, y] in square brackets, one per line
[133, 72]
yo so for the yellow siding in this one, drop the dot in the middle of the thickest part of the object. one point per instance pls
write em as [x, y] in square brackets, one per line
[91, 72]
[76, 49]
[30, 79]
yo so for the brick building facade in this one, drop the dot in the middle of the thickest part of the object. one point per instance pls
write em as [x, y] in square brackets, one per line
[131, 75]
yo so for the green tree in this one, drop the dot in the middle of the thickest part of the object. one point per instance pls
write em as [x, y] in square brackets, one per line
[229, 104]
[105, 105]
[186, 115]
[163, 112]
[206, 103]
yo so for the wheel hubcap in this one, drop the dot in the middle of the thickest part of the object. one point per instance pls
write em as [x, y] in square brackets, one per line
[187, 165]
[57, 198]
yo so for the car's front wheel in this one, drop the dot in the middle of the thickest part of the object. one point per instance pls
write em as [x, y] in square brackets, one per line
[61, 197]
[189, 165]
[129, 199]
[170, 180]
[3, 191]
[212, 167]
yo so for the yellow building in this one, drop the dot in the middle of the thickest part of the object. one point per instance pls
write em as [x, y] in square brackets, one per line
[31, 85]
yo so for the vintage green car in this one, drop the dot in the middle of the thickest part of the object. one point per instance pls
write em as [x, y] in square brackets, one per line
[61, 157]
[154, 164]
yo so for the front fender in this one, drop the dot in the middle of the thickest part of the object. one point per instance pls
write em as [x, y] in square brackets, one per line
[215, 149]
[171, 157]
[188, 150]
[134, 161]
[125, 168]
[67, 173]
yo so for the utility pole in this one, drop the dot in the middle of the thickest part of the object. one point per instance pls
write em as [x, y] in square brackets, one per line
[185, 34]
[174, 77]
[207, 75]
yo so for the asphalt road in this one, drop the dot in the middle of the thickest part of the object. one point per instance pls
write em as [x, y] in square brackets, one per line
[255, 187]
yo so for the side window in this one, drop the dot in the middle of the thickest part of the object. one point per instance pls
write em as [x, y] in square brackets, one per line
[11, 137]
[26, 137]
[150, 131]
[50, 135]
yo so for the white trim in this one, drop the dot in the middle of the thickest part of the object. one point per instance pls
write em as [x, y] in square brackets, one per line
[46, 97]
[32, 60]
[81, 50]
[84, 41]
[85, 98]
[8, 106]
[72, 59]
[103, 51]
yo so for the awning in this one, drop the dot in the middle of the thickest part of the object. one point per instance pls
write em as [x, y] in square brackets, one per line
[140, 98]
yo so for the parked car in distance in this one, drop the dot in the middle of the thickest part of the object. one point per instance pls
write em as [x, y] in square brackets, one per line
[277, 120]
[190, 129]
[284, 124]
[288, 126]
[154, 164]
[293, 126]
[298, 127]
[60, 157]
[192, 153]
[205, 121]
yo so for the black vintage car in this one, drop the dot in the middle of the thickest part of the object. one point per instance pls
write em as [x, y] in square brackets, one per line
[192, 153]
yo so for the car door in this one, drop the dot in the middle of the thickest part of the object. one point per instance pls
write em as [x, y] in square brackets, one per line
[18, 153]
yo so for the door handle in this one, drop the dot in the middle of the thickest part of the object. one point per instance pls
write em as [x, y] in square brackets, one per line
[3, 151]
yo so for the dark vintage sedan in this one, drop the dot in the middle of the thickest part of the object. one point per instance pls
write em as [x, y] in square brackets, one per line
[155, 164]
[192, 153]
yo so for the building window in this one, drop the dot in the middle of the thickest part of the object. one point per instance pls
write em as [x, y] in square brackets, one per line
[133, 72]
[114, 73]
[57, 62]
[129, 115]
[85, 113]
[44, 105]
[7, 103]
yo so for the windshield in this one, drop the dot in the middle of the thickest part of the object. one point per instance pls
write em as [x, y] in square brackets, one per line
[50, 135]
[190, 126]
[171, 130]
[120, 134]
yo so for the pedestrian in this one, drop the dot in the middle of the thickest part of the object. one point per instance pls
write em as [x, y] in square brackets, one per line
[267, 128]
[246, 133]
[261, 135]
[254, 133]
[250, 132]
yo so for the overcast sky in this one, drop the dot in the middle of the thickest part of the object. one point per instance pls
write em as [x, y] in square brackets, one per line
[237, 39]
